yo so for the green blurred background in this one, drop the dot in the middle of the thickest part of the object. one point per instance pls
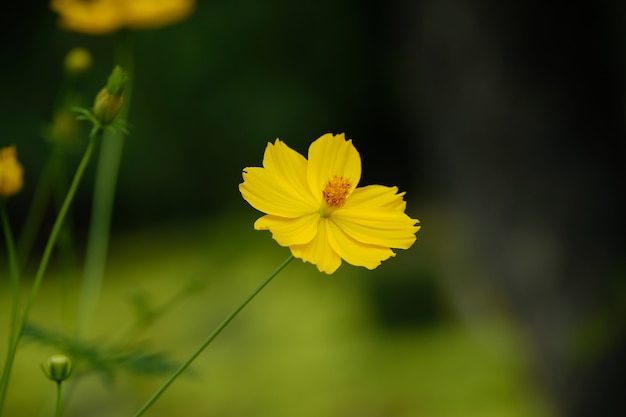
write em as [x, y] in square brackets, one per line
[504, 124]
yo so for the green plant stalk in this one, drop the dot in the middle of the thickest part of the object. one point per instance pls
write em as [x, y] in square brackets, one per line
[59, 407]
[59, 222]
[103, 198]
[35, 214]
[52, 180]
[211, 337]
[98, 237]
[68, 260]
[49, 175]
[15, 287]
[46, 258]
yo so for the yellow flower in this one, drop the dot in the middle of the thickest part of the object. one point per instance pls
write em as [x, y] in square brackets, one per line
[78, 61]
[11, 172]
[315, 208]
[100, 17]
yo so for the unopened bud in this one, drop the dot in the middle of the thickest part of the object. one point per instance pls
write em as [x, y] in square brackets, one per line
[110, 99]
[58, 368]
[117, 81]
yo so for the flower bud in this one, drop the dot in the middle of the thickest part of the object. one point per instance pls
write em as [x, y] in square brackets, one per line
[58, 368]
[11, 172]
[110, 99]
[77, 61]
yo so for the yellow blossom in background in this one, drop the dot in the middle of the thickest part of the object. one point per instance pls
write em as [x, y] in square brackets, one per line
[100, 17]
[315, 208]
[77, 61]
[11, 172]
[64, 128]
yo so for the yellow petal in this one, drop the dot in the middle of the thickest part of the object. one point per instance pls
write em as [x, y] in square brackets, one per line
[376, 196]
[330, 156]
[388, 229]
[374, 215]
[148, 14]
[272, 195]
[286, 163]
[95, 17]
[287, 232]
[318, 251]
[355, 252]
[279, 188]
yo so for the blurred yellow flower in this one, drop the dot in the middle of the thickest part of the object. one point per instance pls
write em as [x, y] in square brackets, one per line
[11, 172]
[78, 61]
[100, 17]
[315, 208]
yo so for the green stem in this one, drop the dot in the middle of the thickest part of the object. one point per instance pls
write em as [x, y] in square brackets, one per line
[59, 407]
[51, 180]
[36, 211]
[59, 222]
[210, 338]
[15, 286]
[46, 257]
[103, 198]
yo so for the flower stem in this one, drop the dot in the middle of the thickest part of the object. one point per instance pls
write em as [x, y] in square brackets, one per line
[103, 198]
[59, 222]
[14, 276]
[210, 338]
[59, 407]
[44, 261]
[36, 211]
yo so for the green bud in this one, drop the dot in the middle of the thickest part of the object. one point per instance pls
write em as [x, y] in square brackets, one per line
[58, 368]
[110, 99]
[117, 81]
[107, 106]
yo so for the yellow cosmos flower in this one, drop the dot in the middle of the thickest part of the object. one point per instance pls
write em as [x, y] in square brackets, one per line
[11, 172]
[100, 17]
[315, 208]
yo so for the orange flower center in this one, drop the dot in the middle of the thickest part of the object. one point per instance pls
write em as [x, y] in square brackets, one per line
[336, 191]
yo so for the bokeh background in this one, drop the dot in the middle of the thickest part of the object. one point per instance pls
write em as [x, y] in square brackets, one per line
[503, 122]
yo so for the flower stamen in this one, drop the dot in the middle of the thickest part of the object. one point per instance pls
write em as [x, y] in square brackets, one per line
[336, 191]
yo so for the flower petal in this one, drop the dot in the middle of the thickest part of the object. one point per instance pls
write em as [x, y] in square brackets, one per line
[318, 251]
[355, 252]
[378, 196]
[374, 215]
[286, 231]
[99, 17]
[91, 17]
[329, 156]
[286, 163]
[150, 14]
[279, 188]
[392, 230]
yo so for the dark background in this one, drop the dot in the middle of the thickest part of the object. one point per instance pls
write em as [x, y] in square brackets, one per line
[504, 122]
